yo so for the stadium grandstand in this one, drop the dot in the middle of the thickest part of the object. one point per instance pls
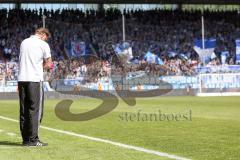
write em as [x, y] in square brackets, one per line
[182, 57]
[172, 32]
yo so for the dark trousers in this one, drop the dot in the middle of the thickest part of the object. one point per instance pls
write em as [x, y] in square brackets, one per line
[31, 109]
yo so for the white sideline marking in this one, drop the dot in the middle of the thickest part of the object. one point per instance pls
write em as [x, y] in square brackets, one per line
[161, 154]
[11, 134]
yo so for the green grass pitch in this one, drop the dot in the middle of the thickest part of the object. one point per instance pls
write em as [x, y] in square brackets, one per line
[213, 133]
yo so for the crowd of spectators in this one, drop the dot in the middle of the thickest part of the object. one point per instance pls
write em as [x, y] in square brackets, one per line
[162, 31]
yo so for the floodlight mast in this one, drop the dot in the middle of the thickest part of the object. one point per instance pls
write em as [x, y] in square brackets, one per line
[44, 21]
[123, 27]
[203, 38]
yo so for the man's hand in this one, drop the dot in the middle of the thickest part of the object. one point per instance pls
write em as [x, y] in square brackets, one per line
[47, 63]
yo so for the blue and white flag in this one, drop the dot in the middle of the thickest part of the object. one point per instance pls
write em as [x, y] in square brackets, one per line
[224, 56]
[159, 61]
[152, 58]
[172, 54]
[78, 49]
[124, 49]
[183, 57]
[206, 52]
[237, 50]
[213, 56]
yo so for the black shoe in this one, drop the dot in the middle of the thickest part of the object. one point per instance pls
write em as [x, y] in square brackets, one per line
[25, 143]
[35, 144]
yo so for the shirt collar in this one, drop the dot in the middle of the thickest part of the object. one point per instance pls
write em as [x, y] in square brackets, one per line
[35, 36]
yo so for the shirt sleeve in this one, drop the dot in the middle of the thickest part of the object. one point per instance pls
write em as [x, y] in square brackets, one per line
[46, 52]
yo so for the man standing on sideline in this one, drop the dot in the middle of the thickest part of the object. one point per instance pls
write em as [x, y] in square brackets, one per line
[34, 57]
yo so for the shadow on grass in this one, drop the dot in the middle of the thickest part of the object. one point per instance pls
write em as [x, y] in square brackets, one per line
[8, 143]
